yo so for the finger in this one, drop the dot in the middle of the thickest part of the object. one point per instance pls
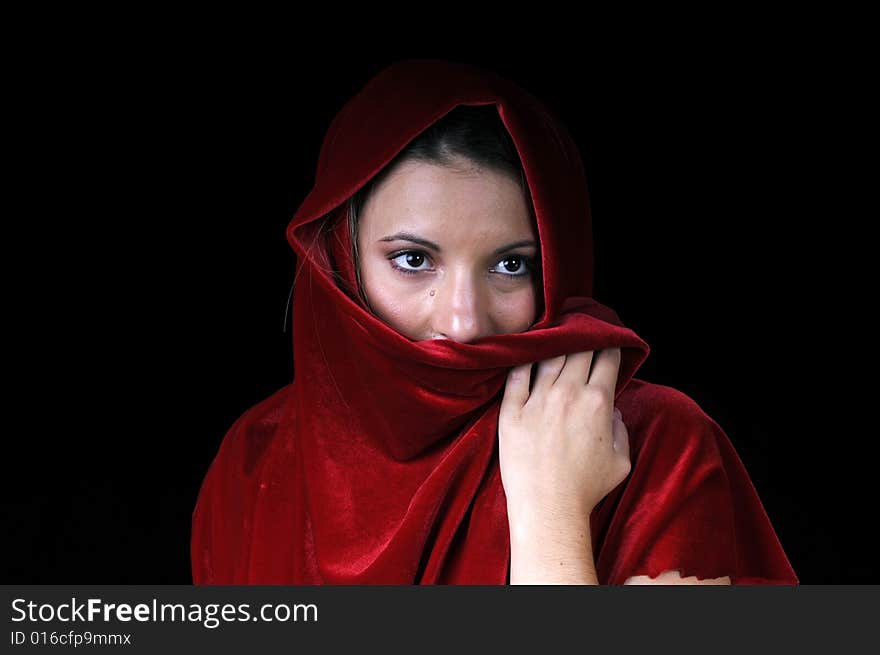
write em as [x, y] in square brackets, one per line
[516, 388]
[606, 365]
[620, 439]
[548, 371]
[577, 368]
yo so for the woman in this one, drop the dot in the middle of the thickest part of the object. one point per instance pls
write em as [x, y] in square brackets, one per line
[446, 248]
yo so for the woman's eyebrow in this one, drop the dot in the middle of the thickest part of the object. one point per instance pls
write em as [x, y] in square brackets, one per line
[408, 236]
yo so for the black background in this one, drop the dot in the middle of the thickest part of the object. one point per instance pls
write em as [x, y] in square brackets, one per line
[157, 176]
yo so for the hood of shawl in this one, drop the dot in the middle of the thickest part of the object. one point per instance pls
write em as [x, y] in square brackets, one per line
[442, 382]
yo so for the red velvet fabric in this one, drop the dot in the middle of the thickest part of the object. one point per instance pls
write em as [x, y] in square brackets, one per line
[379, 462]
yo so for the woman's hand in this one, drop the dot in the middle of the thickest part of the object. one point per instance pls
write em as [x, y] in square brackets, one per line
[562, 445]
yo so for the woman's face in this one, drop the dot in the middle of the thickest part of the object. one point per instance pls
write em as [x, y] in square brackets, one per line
[449, 253]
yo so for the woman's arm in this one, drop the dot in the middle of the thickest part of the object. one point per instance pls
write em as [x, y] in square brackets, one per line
[674, 577]
[551, 552]
[544, 553]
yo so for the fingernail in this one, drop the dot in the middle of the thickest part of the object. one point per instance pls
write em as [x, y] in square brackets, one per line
[618, 414]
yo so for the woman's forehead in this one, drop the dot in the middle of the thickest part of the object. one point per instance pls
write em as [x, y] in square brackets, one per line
[423, 197]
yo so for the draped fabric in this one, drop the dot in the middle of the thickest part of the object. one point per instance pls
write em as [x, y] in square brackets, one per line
[378, 463]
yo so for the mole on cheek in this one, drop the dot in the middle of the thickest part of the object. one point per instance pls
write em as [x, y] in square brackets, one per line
[432, 292]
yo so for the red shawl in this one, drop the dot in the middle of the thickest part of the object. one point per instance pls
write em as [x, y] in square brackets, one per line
[379, 462]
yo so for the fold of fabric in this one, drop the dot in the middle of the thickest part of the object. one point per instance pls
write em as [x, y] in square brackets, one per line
[379, 462]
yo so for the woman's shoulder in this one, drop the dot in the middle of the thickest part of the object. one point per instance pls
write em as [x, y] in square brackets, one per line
[660, 412]
[689, 503]
[249, 437]
[229, 489]
[643, 398]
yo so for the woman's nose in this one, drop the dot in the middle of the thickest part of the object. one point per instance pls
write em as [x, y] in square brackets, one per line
[459, 311]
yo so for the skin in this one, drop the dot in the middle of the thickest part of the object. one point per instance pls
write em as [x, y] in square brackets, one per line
[465, 291]
[561, 446]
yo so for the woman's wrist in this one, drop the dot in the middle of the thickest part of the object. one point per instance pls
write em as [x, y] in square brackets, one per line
[551, 548]
[565, 520]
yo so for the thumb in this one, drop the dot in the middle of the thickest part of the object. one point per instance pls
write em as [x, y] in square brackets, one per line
[620, 438]
[516, 389]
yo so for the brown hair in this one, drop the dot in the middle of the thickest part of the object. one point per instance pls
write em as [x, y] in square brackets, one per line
[474, 133]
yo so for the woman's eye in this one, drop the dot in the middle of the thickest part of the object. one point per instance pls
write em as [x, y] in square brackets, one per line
[409, 262]
[514, 266]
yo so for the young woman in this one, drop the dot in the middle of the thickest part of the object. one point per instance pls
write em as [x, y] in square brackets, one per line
[462, 410]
